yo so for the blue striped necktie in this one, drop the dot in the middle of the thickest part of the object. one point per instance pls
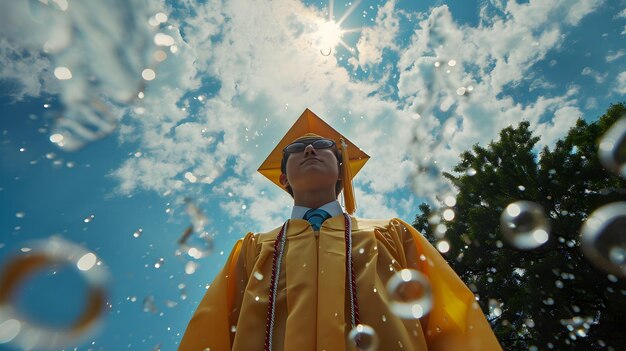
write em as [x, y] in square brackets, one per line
[316, 217]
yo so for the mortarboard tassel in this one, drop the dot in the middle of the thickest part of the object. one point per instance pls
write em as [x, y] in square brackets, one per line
[348, 190]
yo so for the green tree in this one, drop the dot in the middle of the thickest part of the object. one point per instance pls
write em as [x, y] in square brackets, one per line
[532, 296]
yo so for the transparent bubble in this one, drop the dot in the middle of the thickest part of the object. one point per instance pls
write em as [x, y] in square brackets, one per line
[410, 294]
[524, 225]
[602, 238]
[461, 91]
[363, 338]
[89, 218]
[448, 214]
[20, 215]
[612, 148]
[470, 172]
[53, 254]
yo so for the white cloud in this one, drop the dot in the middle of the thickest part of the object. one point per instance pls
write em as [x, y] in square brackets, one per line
[620, 86]
[597, 76]
[557, 127]
[615, 55]
[489, 58]
[382, 35]
[269, 70]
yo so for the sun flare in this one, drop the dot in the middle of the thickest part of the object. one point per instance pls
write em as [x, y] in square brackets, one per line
[329, 33]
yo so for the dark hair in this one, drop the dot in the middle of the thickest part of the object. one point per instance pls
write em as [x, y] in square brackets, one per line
[338, 185]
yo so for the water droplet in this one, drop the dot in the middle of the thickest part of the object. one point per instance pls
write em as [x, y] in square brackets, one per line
[443, 246]
[363, 338]
[148, 74]
[159, 263]
[495, 307]
[524, 225]
[612, 148]
[450, 201]
[258, 275]
[162, 39]
[448, 214]
[87, 261]
[410, 293]
[9, 329]
[148, 304]
[62, 73]
[190, 267]
[602, 238]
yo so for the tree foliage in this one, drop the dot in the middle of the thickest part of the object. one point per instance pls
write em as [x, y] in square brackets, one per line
[545, 295]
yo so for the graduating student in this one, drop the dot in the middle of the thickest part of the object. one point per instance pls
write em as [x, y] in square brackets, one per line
[306, 284]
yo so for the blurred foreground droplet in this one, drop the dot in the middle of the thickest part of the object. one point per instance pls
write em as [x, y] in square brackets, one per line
[410, 294]
[363, 338]
[148, 304]
[55, 252]
[603, 238]
[201, 244]
[612, 148]
[525, 225]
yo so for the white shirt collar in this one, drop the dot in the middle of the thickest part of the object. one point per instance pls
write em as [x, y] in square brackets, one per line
[333, 208]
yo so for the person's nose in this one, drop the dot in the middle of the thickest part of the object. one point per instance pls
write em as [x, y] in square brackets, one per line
[309, 150]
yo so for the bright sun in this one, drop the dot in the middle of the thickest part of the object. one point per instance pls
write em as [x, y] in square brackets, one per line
[329, 33]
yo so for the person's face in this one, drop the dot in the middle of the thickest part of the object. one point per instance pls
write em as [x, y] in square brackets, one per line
[311, 169]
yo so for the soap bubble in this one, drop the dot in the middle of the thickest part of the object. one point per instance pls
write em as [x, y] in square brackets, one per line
[524, 225]
[363, 338]
[410, 293]
[602, 238]
[54, 253]
[612, 148]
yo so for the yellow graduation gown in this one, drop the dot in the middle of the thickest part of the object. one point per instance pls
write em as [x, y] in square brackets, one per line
[313, 308]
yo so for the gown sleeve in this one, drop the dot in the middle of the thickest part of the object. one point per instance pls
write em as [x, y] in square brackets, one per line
[455, 321]
[210, 325]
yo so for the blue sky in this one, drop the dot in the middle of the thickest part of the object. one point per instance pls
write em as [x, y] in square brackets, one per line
[236, 76]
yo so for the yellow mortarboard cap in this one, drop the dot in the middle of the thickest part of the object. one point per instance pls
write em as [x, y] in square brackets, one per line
[309, 125]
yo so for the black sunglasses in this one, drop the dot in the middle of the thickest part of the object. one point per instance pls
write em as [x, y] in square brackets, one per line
[299, 146]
